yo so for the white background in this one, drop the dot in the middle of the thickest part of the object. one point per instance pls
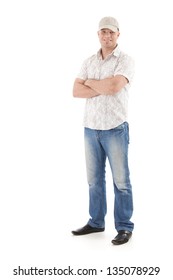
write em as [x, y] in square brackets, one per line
[44, 192]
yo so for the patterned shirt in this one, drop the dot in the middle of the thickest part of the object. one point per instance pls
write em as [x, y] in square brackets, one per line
[105, 112]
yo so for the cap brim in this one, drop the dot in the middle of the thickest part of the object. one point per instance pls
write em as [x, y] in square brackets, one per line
[107, 26]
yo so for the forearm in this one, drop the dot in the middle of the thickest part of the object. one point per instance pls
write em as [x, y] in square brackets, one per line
[83, 91]
[108, 86]
[101, 86]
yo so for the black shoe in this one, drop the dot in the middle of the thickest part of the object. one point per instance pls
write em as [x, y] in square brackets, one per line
[122, 237]
[86, 230]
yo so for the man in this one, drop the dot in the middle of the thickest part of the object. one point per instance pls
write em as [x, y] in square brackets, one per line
[104, 81]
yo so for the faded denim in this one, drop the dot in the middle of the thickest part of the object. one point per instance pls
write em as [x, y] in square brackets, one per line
[112, 145]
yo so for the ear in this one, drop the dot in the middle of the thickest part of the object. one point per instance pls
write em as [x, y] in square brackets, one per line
[118, 34]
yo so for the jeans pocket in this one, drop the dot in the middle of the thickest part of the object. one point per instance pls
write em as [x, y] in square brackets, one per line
[127, 133]
[124, 130]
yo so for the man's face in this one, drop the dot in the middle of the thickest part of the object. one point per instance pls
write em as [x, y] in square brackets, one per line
[108, 38]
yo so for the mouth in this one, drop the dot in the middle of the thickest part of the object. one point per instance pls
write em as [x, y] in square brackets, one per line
[107, 41]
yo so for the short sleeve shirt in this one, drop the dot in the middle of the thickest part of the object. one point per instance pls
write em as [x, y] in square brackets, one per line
[105, 112]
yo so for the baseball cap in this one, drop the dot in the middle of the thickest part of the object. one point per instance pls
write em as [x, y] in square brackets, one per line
[110, 23]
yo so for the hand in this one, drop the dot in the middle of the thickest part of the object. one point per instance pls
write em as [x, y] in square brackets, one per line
[87, 83]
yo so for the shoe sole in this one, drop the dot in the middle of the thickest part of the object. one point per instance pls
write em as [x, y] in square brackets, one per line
[93, 231]
[119, 243]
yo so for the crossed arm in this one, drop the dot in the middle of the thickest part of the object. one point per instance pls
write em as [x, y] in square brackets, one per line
[91, 88]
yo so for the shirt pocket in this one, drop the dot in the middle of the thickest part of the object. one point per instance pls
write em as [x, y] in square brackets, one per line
[94, 71]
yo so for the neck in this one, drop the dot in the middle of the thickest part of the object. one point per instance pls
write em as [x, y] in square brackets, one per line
[106, 51]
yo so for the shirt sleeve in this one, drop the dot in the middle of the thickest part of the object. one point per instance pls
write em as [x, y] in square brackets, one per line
[83, 74]
[125, 67]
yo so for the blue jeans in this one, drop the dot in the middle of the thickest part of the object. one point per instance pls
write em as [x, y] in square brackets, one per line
[111, 144]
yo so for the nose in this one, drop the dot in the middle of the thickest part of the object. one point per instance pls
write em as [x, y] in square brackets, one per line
[107, 34]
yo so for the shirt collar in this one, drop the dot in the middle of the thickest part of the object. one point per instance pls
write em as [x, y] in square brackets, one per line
[115, 52]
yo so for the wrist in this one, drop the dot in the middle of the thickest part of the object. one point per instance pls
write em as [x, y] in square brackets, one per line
[87, 83]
